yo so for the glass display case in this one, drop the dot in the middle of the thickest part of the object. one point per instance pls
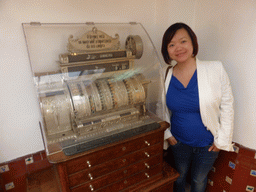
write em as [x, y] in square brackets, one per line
[97, 83]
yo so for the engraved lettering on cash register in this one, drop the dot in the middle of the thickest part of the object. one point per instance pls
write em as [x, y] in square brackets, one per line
[92, 41]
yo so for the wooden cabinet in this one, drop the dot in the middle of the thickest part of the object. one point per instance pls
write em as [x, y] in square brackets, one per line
[135, 164]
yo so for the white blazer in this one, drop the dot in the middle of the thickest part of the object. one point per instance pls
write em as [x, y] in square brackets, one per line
[215, 100]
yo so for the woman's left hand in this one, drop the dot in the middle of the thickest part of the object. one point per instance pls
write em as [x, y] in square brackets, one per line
[214, 148]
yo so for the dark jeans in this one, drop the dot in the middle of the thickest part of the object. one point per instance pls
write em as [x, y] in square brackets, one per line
[199, 159]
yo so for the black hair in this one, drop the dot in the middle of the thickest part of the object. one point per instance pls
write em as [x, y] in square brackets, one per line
[169, 34]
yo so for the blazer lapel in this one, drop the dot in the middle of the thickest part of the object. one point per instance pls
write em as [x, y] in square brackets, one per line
[203, 89]
[168, 79]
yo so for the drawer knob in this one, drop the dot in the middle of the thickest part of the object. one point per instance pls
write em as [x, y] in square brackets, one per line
[125, 182]
[147, 154]
[147, 165]
[90, 176]
[147, 175]
[147, 143]
[89, 164]
[91, 188]
[124, 148]
[124, 160]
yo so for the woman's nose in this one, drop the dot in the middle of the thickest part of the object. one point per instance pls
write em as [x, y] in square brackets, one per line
[178, 47]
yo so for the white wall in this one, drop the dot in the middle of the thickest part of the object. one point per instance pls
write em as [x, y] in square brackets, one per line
[19, 113]
[227, 32]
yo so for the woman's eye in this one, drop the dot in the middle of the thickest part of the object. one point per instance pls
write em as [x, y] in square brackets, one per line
[184, 41]
[171, 45]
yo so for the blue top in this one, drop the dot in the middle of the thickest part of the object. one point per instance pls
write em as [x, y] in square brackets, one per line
[186, 122]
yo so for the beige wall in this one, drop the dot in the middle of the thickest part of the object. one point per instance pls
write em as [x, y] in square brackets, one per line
[226, 31]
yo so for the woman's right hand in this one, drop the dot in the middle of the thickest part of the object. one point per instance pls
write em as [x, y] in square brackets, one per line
[171, 140]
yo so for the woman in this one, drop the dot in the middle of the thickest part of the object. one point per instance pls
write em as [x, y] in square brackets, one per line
[200, 103]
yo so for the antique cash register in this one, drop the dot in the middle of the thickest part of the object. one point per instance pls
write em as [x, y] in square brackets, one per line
[98, 85]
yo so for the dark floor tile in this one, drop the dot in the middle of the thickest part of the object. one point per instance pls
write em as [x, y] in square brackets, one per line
[43, 181]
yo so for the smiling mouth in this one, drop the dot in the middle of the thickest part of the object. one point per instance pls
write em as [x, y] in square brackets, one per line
[180, 54]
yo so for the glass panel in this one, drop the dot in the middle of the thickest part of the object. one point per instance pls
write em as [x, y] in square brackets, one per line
[96, 83]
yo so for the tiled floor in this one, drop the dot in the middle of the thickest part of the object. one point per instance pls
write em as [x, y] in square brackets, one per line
[44, 181]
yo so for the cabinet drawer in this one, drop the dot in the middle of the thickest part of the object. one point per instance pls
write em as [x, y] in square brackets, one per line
[100, 156]
[146, 175]
[147, 166]
[105, 168]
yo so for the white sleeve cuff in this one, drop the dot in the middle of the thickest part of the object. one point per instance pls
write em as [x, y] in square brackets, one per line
[167, 133]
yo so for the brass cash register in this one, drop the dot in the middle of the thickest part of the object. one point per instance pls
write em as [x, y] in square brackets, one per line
[93, 89]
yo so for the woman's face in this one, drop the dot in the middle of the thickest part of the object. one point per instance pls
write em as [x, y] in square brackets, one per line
[180, 48]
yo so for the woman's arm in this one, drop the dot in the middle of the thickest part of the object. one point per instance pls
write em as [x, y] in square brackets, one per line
[224, 135]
